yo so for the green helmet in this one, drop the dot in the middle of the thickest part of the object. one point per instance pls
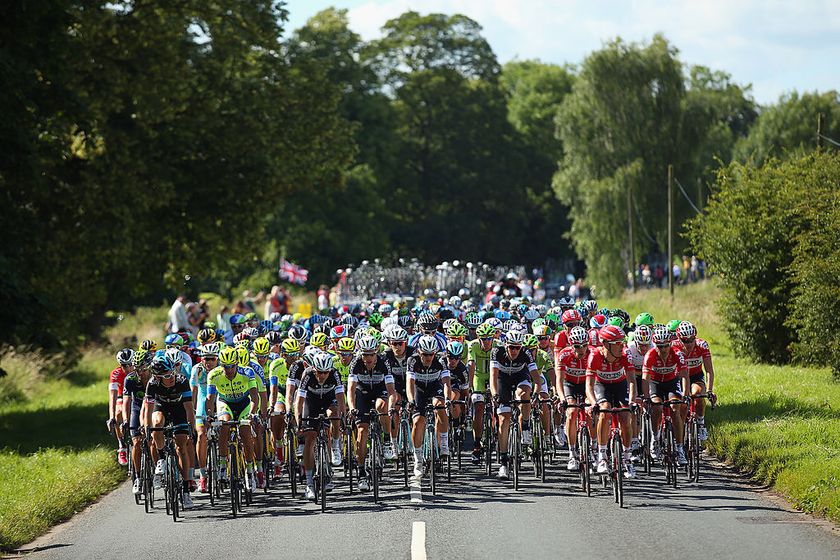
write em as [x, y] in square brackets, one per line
[485, 330]
[617, 321]
[673, 324]
[531, 341]
[456, 329]
[375, 319]
[472, 319]
[644, 319]
[375, 334]
[537, 323]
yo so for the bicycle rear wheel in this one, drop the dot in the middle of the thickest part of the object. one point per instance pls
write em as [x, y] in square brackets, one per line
[350, 457]
[375, 460]
[233, 479]
[291, 461]
[403, 449]
[432, 455]
[671, 446]
[211, 473]
[585, 465]
[322, 473]
[148, 484]
[618, 471]
[514, 449]
[647, 441]
[172, 484]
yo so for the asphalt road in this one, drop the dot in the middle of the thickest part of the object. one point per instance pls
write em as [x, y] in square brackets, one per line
[472, 517]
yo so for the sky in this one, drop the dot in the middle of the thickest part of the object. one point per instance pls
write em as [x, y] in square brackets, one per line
[777, 46]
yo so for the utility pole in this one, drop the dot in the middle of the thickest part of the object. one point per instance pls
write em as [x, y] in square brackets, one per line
[819, 131]
[700, 193]
[630, 232]
[670, 267]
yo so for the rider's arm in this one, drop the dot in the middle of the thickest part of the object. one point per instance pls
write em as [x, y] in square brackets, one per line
[351, 393]
[646, 383]
[494, 381]
[409, 387]
[559, 375]
[590, 388]
[299, 405]
[255, 399]
[707, 365]
[471, 372]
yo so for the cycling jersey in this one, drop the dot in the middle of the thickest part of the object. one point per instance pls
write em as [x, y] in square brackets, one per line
[343, 371]
[160, 395]
[398, 367]
[573, 368]
[436, 371]
[459, 376]
[544, 361]
[259, 376]
[198, 378]
[116, 381]
[663, 369]
[135, 388]
[481, 359]
[296, 372]
[561, 341]
[523, 364]
[312, 389]
[230, 390]
[380, 374]
[605, 371]
[694, 359]
[278, 373]
[635, 356]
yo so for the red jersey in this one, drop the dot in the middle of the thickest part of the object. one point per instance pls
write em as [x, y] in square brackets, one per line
[573, 368]
[694, 359]
[117, 380]
[663, 370]
[607, 372]
[561, 340]
[594, 339]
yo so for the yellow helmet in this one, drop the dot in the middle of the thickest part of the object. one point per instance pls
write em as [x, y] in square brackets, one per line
[261, 346]
[242, 344]
[148, 345]
[346, 344]
[228, 356]
[319, 340]
[290, 347]
[243, 356]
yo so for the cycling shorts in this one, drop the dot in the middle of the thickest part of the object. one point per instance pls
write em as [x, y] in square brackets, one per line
[176, 415]
[697, 379]
[424, 393]
[666, 389]
[237, 410]
[575, 390]
[312, 408]
[615, 394]
[507, 387]
[366, 397]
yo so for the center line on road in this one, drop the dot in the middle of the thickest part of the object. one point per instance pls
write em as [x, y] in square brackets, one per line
[415, 491]
[418, 540]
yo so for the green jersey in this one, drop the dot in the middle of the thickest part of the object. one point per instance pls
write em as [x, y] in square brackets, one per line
[481, 377]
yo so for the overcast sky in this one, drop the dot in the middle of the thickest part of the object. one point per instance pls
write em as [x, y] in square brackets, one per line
[777, 46]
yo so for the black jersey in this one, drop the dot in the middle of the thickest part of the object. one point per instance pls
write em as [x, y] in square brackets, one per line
[134, 388]
[398, 366]
[160, 394]
[296, 373]
[310, 387]
[379, 375]
[523, 364]
[415, 370]
[459, 374]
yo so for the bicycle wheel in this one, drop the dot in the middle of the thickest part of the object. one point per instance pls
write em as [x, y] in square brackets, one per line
[671, 446]
[514, 442]
[585, 465]
[322, 473]
[267, 465]
[212, 472]
[172, 484]
[291, 461]
[132, 473]
[350, 456]
[695, 450]
[618, 471]
[374, 457]
[647, 441]
[459, 445]
[233, 479]
[431, 455]
[148, 486]
[404, 449]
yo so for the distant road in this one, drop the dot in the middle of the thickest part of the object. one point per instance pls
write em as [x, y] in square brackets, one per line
[472, 517]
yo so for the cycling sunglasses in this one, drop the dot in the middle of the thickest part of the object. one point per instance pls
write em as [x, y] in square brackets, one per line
[397, 342]
[541, 338]
[579, 345]
[229, 366]
[486, 338]
[345, 354]
[169, 375]
[427, 353]
[369, 354]
[514, 347]
[571, 325]
[687, 340]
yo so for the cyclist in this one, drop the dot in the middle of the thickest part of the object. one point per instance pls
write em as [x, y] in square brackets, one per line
[198, 385]
[427, 324]
[544, 364]
[397, 357]
[570, 320]
[635, 351]
[319, 393]
[664, 376]
[478, 366]
[278, 373]
[344, 349]
[570, 370]
[427, 383]
[169, 400]
[370, 384]
[232, 396]
[513, 372]
[134, 408]
[608, 386]
[259, 363]
[116, 383]
[458, 377]
[697, 357]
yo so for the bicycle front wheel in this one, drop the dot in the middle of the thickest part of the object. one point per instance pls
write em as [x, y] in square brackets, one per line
[322, 473]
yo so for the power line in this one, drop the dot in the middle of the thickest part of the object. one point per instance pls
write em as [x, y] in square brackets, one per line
[827, 139]
[682, 190]
[641, 223]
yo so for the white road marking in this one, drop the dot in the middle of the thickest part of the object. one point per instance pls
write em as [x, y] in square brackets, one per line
[418, 540]
[415, 491]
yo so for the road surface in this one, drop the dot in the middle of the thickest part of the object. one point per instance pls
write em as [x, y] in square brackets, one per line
[472, 517]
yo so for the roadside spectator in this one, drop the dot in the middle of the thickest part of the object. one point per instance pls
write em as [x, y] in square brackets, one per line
[695, 273]
[272, 304]
[177, 319]
[659, 275]
[323, 297]
[223, 318]
[676, 273]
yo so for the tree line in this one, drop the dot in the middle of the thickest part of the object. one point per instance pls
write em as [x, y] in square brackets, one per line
[149, 148]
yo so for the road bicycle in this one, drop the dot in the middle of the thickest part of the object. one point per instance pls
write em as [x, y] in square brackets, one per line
[375, 461]
[692, 437]
[584, 444]
[239, 483]
[431, 450]
[404, 445]
[212, 477]
[458, 431]
[515, 453]
[173, 487]
[292, 462]
[323, 465]
[666, 441]
[615, 472]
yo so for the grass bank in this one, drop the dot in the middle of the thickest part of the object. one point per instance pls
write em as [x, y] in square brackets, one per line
[780, 423]
[55, 454]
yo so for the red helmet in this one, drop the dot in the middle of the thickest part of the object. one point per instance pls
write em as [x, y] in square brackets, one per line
[571, 316]
[611, 333]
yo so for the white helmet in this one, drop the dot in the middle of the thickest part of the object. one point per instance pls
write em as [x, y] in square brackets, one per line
[427, 345]
[367, 344]
[210, 349]
[578, 335]
[175, 355]
[322, 361]
[448, 323]
[455, 302]
[396, 332]
[515, 337]
[309, 353]
[642, 334]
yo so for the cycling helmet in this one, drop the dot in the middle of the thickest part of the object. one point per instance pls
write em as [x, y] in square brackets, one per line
[455, 302]
[531, 342]
[261, 346]
[240, 338]
[571, 316]
[541, 330]
[605, 312]
[174, 355]
[485, 330]
[519, 327]
[142, 358]
[617, 321]
[642, 334]
[367, 344]
[251, 333]
[661, 335]
[502, 315]
[346, 344]
[397, 333]
[243, 357]
[456, 329]
[210, 325]
[448, 323]
[610, 333]
[228, 356]
[273, 337]
[319, 340]
[566, 302]
[161, 365]
[644, 319]
[597, 321]
[618, 312]
[290, 347]
[472, 320]
[427, 344]
[427, 322]
[237, 319]
[265, 326]
[552, 320]
[514, 338]
[590, 305]
[444, 313]
[125, 356]
[173, 339]
[275, 317]
[578, 336]
[297, 332]
[686, 330]
[455, 349]
[509, 324]
[322, 361]
[531, 314]
[148, 345]
[210, 349]
[673, 324]
[206, 335]
[386, 309]
[405, 321]
[375, 319]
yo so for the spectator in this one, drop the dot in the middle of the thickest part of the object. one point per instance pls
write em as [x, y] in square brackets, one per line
[659, 275]
[223, 319]
[695, 276]
[177, 317]
[676, 272]
[272, 304]
[323, 297]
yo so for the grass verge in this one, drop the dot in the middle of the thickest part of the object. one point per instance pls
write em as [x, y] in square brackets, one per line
[779, 423]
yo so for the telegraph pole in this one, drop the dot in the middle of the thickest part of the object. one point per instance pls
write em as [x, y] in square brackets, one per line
[671, 230]
[630, 232]
[819, 131]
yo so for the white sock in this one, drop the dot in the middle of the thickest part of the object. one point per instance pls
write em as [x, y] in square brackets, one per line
[602, 452]
[701, 420]
[444, 439]
[418, 455]
[336, 442]
[572, 452]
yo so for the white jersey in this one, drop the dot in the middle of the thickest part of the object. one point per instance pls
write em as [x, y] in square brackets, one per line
[635, 356]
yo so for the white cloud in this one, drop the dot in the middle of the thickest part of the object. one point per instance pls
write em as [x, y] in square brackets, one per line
[776, 45]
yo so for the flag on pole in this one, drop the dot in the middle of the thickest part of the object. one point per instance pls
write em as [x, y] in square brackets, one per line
[293, 273]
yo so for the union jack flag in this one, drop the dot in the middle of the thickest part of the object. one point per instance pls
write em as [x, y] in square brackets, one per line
[293, 273]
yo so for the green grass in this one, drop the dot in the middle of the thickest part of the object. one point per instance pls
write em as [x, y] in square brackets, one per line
[55, 453]
[779, 423]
